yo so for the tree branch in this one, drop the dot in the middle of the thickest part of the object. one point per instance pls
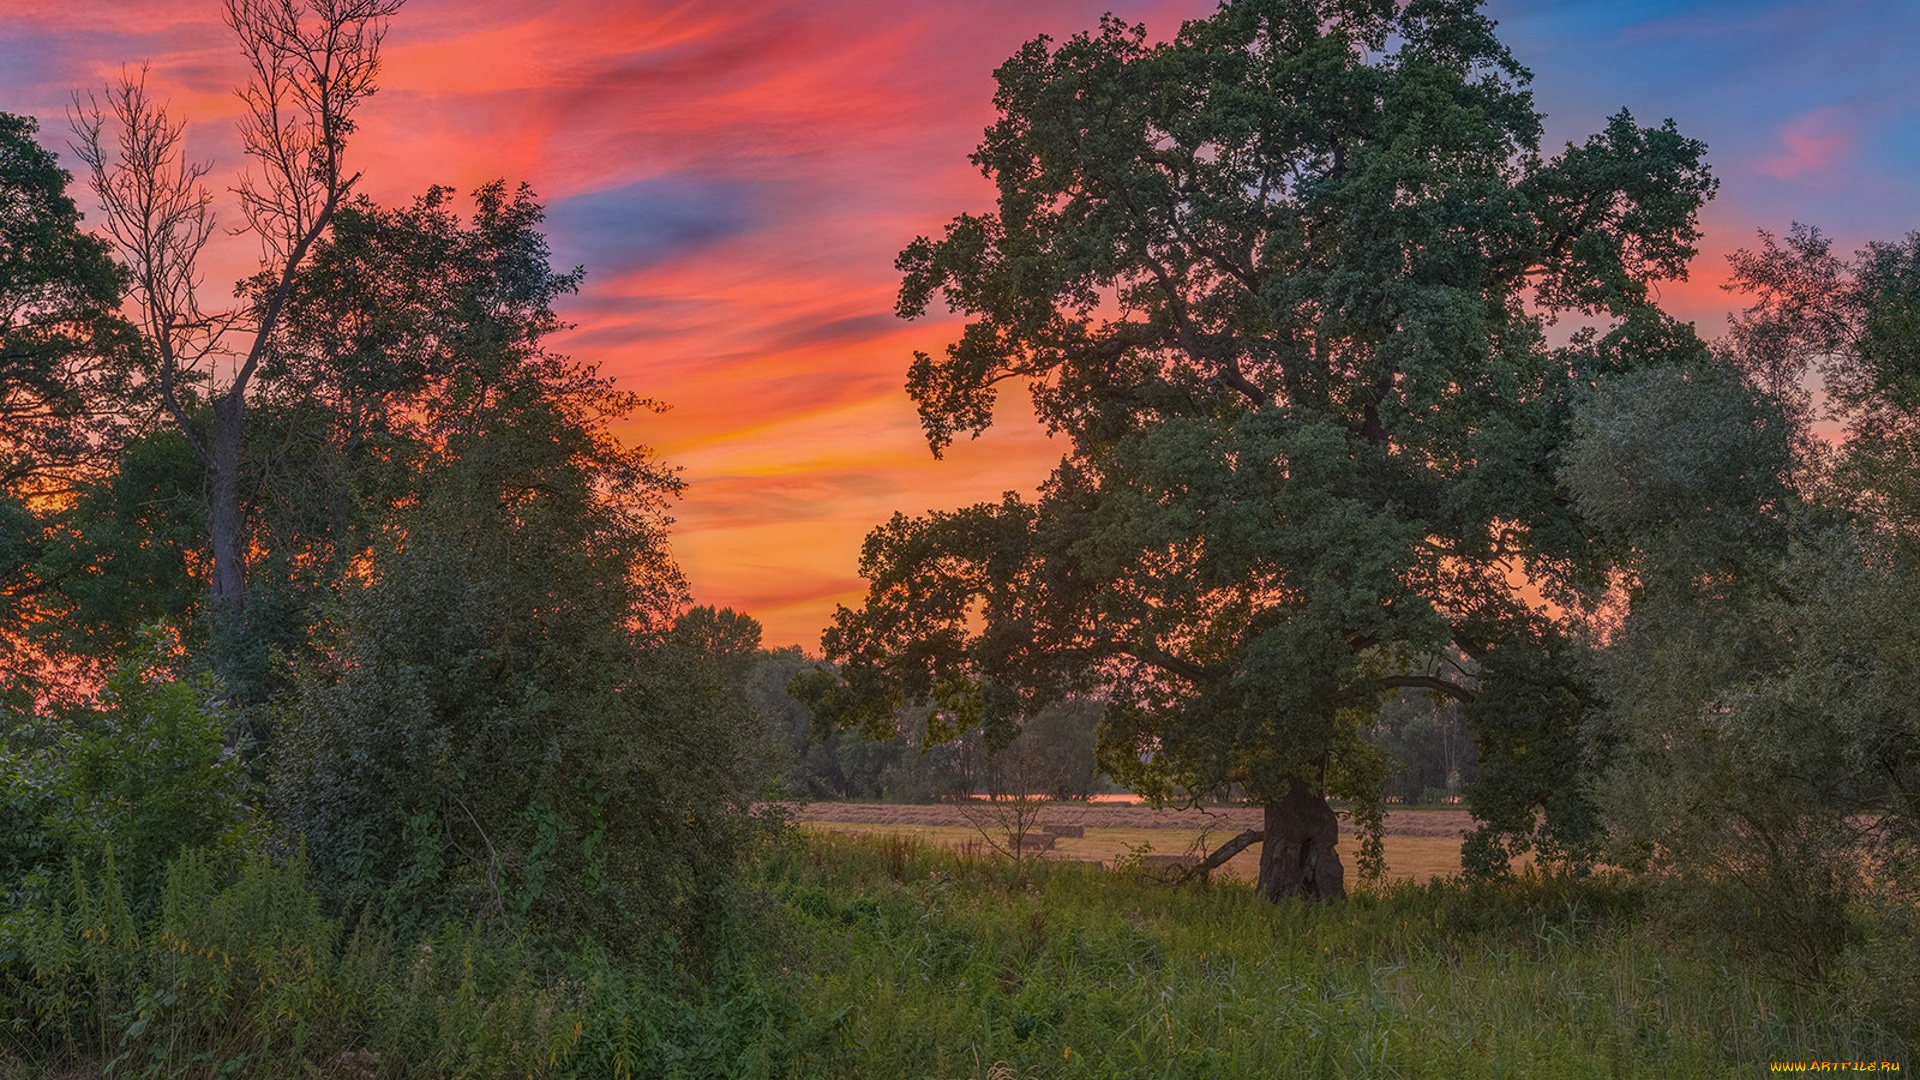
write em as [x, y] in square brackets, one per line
[1165, 661]
[1222, 855]
[1428, 682]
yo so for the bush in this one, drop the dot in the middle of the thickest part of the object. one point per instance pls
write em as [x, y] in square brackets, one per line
[1757, 741]
[239, 974]
[142, 772]
[215, 978]
[507, 727]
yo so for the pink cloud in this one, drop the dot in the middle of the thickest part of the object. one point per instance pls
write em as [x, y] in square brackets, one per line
[1813, 143]
[833, 131]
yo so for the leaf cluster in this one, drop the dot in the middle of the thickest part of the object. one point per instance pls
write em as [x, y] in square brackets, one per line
[66, 357]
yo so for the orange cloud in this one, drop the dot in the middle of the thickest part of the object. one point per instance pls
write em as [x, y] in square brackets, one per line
[737, 180]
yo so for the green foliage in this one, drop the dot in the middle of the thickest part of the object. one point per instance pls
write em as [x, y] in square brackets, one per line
[1683, 469]
[239, 974]
[121, 557]
[21, 534]
[1532, 720]
[217, 980]
[400, 329]
[404, 330]
[150, 777]
[134, 778]
[1759, 727]
[367, 384]
[66, 357]
[811, 764]
[1271, 280]
[29, 772]
[1779, 798]
[501, 727]
[64, 350]
[506, 720]
[641, 1022]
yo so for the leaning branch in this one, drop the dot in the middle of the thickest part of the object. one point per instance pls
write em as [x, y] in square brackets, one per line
[1222, 855]
[1167, 662]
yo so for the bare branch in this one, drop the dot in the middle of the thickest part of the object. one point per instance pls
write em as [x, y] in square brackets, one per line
[312, 63]
[159, 215]
[1221, 856]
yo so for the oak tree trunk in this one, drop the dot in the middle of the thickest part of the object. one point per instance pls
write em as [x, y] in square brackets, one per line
[1297, 856]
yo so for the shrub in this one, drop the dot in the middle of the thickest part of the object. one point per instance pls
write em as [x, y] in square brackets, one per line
[507, 725]
[142, 771]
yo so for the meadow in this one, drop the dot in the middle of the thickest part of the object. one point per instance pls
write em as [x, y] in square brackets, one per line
[892, 957]
[1420, 844]
[947, 965]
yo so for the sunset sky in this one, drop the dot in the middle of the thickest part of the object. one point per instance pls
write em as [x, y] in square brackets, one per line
[737, 179]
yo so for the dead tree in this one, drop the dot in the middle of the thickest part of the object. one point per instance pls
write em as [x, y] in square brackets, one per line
[311, 63]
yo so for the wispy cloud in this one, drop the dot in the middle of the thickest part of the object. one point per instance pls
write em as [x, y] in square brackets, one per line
[1813, 142]
[738, 178]
[660, 220]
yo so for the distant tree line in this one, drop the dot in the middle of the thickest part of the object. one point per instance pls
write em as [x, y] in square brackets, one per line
[1052, 756]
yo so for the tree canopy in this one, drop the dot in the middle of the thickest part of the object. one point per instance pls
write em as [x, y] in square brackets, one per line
[504, 718]
[1282, 284]
[66, 363]
[310, 63]
[64, 351]
[463, 680]
[1761, 682]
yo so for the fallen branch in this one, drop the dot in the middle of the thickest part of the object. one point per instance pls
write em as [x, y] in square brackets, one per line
[1221, 855]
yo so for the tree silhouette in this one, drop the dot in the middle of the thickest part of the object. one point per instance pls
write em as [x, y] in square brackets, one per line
[1281, 284]
[311, 63]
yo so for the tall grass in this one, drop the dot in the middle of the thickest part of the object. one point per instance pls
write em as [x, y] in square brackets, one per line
[247, 978]
[937, 965]
[888, 959]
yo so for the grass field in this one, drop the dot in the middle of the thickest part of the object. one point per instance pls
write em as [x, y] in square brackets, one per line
[895, 958]
[934, 964]
[1409, 858]
[1420, 844]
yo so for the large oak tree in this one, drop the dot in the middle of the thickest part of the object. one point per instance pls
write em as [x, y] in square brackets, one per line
[1281, 285]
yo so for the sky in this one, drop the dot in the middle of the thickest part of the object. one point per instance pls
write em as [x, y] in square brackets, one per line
[738, 178]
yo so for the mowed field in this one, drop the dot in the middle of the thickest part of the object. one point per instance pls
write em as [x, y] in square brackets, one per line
[1420, 844]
